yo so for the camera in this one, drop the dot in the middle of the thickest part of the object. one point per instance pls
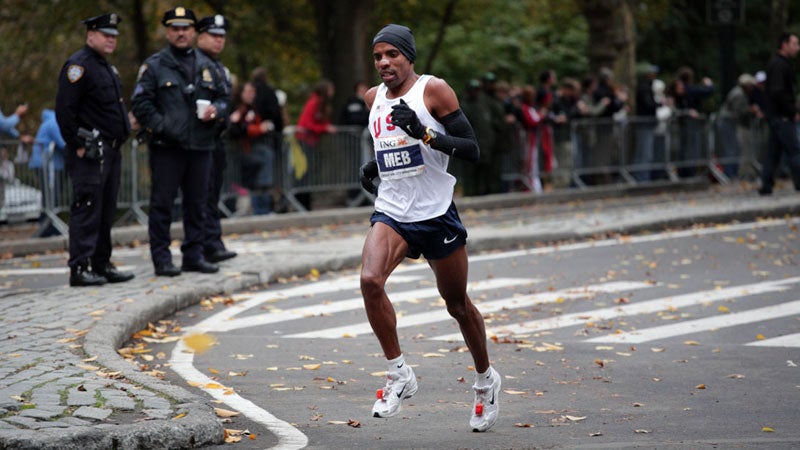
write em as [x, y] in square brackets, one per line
[93, 143]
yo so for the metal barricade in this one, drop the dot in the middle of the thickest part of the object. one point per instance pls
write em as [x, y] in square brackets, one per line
[330, 165]
[599, 154]
[737, 147]
[134, 188]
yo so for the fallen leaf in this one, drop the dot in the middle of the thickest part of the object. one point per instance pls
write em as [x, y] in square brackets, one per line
[311, 366]
[179, 416]
[736, 376]
[523, 425]
[574, 418]
[199, 342]
[93, 358]
[700, 386]
[432, 355]
[760, 337]
[691, 343]
[354, 423]
[214, 371]
[513, 392]
[224, 413]
[767, 430]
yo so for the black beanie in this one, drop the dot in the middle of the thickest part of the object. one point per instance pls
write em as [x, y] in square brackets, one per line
[399, 36]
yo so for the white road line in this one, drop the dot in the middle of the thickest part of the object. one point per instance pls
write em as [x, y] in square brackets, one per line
[646, 307]
[226, 323]
[257, 299]
[705, 324]
[627, 240]
[789, 340]
[441, 315]
[289, 437]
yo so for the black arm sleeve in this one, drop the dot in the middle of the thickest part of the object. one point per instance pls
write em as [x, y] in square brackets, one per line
[460, 141]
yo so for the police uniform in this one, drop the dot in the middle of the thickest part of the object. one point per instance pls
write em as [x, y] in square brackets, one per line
[90, 97]
[213, 247]
[164, 102]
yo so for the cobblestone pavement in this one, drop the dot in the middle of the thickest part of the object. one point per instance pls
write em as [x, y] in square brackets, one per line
[64, 386]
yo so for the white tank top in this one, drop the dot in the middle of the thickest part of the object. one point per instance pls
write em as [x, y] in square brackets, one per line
[415, 185]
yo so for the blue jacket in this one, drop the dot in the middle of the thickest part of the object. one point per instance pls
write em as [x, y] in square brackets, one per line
[48, 132]
[8, 125]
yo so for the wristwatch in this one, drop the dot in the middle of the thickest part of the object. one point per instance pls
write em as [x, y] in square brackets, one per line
[429, 136]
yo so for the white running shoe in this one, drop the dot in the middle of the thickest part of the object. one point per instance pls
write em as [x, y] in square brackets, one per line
[486, 405]
[400, 385]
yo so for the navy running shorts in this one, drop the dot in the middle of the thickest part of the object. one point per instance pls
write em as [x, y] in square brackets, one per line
[435, 238]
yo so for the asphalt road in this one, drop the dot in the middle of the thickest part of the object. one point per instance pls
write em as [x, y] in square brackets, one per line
[686, 339]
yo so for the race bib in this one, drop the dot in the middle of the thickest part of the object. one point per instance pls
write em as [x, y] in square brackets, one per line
[399, 157]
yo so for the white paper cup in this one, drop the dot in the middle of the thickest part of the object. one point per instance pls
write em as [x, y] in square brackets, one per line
[202, 106]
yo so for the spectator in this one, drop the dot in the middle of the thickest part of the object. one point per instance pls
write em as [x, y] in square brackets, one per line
[605, 153]
[8, 124]
[531, 120]
[645, 124]
[544, 102]
[501, 142]
[88, 98]
[508, 139]
[355, 112]
[48, 167]
[7, 171]
[691, 149]
[255, 143]
[733, 125]
[183, 120]
[481, 177]
[565, 109]
[355, 116]
[782, 114]
[269, 107]
[315, 120]
[211, 33]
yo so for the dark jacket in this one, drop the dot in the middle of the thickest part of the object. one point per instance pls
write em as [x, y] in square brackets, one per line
[90, 96]
[780, 88]
[164, 101]
[646, 104]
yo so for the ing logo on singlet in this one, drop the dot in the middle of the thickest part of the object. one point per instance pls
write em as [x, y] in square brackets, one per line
[399, 157]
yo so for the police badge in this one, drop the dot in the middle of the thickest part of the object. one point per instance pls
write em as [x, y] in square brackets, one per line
[74, 73]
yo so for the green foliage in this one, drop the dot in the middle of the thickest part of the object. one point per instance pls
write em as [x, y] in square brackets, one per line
[516, 39]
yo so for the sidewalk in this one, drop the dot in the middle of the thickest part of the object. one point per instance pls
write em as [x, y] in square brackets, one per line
[63, 385]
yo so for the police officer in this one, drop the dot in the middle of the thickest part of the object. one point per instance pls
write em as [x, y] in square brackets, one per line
[177, 101]
[211, 41]
[94, 123]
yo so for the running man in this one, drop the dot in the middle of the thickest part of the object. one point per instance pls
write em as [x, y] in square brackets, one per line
[417, 125]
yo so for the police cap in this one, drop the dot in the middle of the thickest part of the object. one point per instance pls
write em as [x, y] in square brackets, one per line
[213, 24]
[107, 23]
[179, 17]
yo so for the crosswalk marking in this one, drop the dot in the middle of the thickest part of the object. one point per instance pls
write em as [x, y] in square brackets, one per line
[352, 304]
[493, 306]
[704, 324]
[646, 307]
[789, 340]
[341, 284]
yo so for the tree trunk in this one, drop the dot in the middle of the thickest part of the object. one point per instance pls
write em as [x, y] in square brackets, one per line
[341, 33]
[140, 37]
[778, 20]
[437, 44]
[612, 38]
